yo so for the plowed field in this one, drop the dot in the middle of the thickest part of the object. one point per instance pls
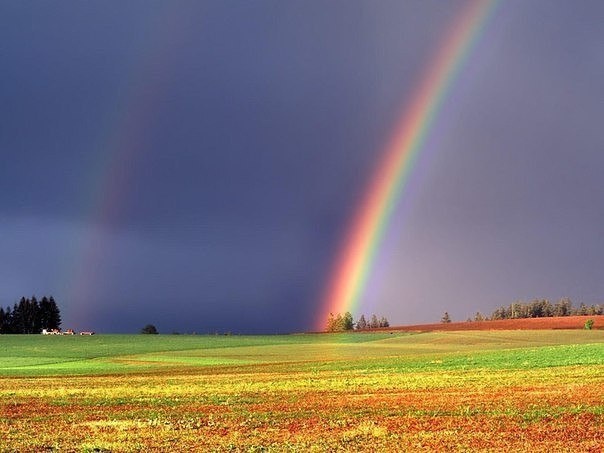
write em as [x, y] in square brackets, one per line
[562, 322]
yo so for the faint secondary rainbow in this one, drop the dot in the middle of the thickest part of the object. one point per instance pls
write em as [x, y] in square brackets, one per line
[355, 259]
[123, 143]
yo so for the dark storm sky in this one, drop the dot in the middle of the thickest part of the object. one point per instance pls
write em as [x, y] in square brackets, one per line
[194, 164]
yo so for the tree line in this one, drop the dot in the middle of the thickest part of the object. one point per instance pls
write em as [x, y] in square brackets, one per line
[339, 322]
[540, 308]
[30, 316]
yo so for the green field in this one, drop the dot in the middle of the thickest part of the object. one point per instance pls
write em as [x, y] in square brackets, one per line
[35, 355]
[437, 390]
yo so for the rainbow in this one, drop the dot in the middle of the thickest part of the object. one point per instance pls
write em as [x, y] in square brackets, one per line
[122, 144]
[355, 259]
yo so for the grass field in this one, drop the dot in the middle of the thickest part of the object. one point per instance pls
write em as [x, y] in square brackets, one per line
[474, 390]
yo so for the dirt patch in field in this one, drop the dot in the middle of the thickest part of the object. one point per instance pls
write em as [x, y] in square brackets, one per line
[562, 322]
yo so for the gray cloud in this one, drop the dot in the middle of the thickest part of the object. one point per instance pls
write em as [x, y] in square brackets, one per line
[254, 128]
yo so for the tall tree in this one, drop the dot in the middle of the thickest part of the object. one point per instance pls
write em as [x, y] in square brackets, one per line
[347, 322]
[362, 323]
[374, 323]
[44, 312]
[563, 307]
[54, 315]
[3, 320]
[17, 324]
[335, 323]
[8, 323]
[30, 316]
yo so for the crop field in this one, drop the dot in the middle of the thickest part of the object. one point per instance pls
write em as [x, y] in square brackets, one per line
[517, 390]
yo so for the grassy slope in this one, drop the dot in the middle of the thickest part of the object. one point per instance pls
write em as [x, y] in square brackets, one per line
[435, 391]
[107, 354]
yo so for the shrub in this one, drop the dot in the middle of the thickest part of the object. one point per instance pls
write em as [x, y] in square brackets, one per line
[589, 324]
[149, 329]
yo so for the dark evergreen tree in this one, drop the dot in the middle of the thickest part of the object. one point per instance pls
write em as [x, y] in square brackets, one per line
[45, 313]
[54, 315]
[347, 322]
[8, 324]
[30, 316]
[17, 325]
[3, 320]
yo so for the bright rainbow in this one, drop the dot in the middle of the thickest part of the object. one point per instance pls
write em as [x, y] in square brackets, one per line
[355, 260]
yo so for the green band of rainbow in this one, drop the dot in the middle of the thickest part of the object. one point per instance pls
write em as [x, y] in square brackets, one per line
[355, 260]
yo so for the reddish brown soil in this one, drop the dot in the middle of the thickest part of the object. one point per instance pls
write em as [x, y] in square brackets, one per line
[563, 322]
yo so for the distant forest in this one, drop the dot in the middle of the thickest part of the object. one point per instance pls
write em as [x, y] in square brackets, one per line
[339, 322]
[540, 308]
[30, 316]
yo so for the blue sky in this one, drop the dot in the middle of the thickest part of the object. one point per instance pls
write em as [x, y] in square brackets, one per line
[195, 164]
